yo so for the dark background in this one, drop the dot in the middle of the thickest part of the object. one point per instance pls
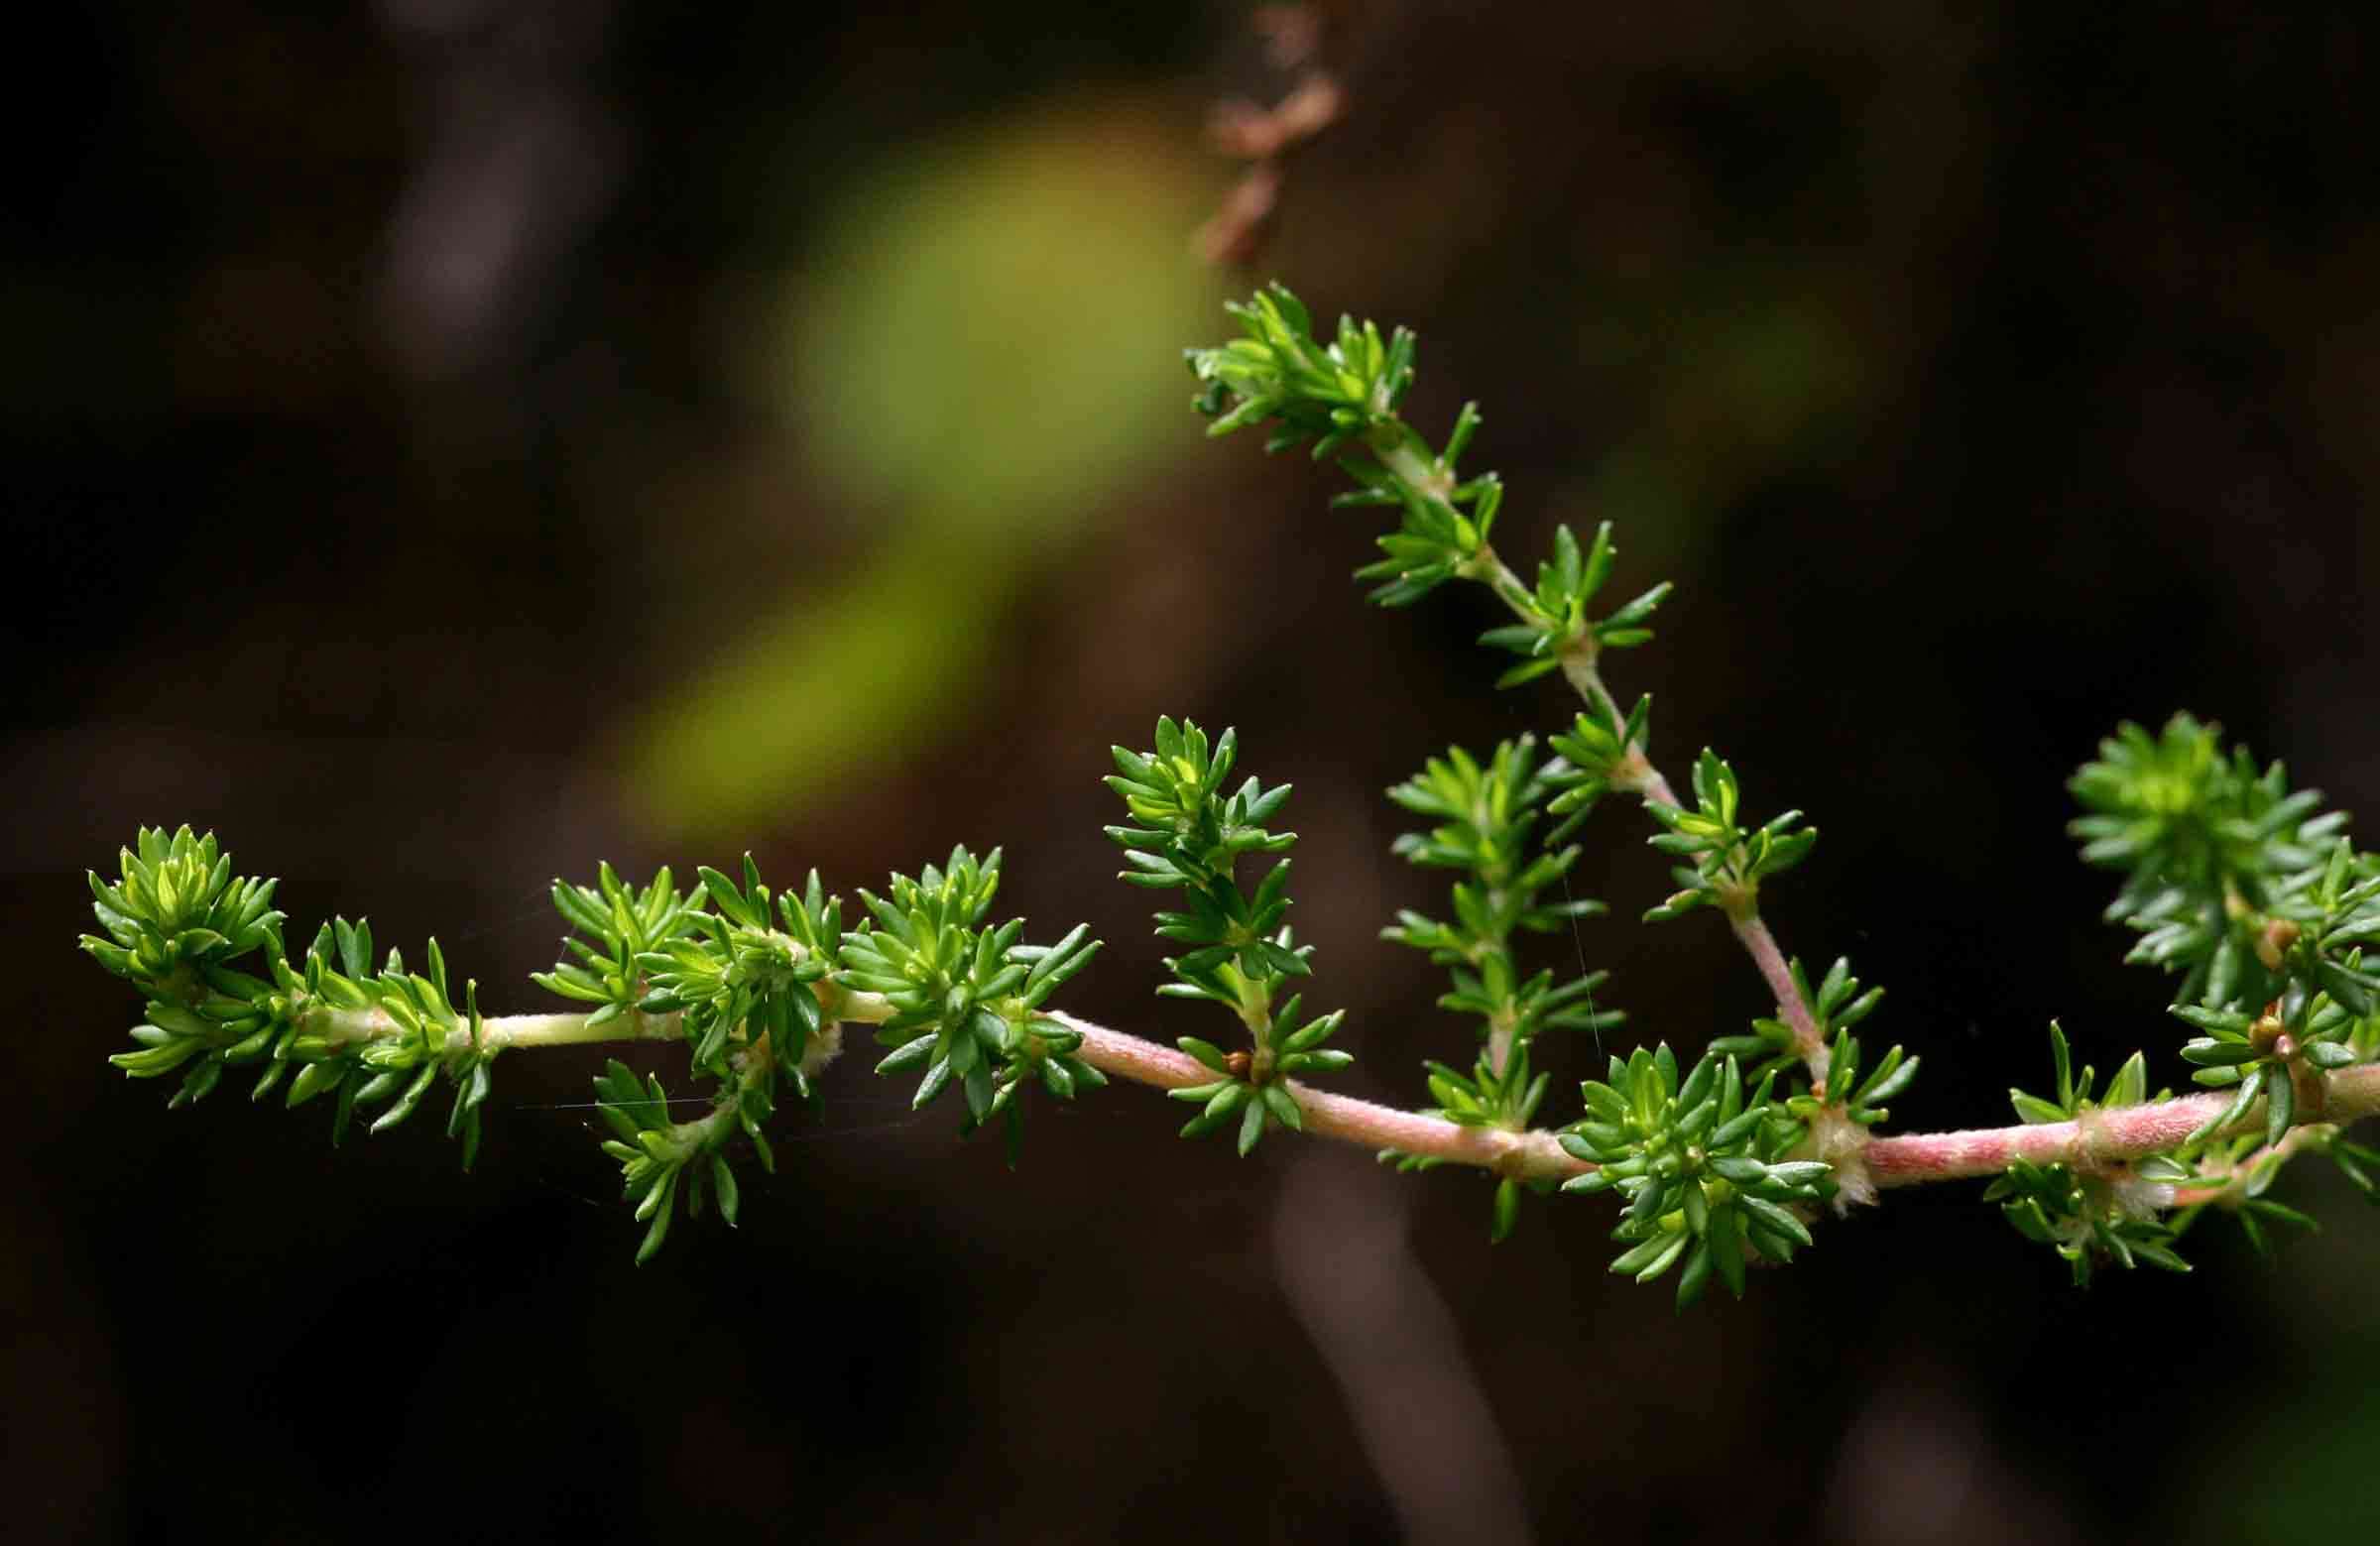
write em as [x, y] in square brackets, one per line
[451, 444]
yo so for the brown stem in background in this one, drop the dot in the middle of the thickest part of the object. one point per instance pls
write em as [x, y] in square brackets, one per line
[1266, 137]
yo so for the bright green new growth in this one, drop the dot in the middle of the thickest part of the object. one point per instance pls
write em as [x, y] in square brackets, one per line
[756, 986]
[178, 919]
[966, 1001]
[1487, 814]
[2242, 888]
[1184, 833]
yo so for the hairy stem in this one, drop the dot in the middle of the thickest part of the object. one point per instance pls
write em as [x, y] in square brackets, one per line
[1807, 1039]
[2101, 1137]
[1527, 1156]
[342, 1026]
[1499, 1048]
[1751, 931]
[2098, 1137]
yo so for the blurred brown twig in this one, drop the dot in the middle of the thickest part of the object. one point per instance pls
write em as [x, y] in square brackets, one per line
[1265, 137]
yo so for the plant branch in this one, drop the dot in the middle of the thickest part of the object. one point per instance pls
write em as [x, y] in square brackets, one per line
[1528, 1155]
[347, 1027]
[2232, 1190]
[1434, 483]
[1807, 1039]
[1762, 945]
[2098, 1136]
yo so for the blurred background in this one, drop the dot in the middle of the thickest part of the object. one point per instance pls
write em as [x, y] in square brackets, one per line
[453, 442]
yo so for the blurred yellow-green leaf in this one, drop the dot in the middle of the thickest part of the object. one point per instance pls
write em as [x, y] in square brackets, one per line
[988, 350]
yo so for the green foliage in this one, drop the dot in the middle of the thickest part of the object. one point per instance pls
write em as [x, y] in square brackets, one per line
[2250, 891]
[174, 922]
[1852, 1089]
[1182, 832]
[1486, 817]
[2359, 1165]
[742, 996]
[2236, 1172]
[753, 983]
[1343, 398]
[657, 1155]
[1486, 1097]
[1726, 862]
[736, 979]
[2254, 1055]
[2087, 1216]
[177, 921]
[1837, 1005]
[2129, 1087]
[620, 925]
[1554, 625]
[1330, 394]
[1705, 1169]
[2214, 853]
[1602, 751]
[2323, 1017]
[967, 1000]
[2232, 882]
[2109, 1211]
[178, 907]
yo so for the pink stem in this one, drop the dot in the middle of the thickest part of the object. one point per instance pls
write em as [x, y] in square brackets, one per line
[1762, 945]
[2101, 1137]
[2123, 1132]
[1329, 1115]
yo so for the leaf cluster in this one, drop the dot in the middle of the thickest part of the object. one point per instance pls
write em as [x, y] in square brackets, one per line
[1704, 1168]
[1836, 1005]
[661, 1161]
[2238, 1171]
[2255, 1055]
[709, 968]
[1725, 862]
[1343, 398]
[967, 998]
[1278, 371]
[1554, 624]
[614, 926]
[2106, 1212]
[176, 923]
[2214, 852]
[1485, 816]
[2251, 894]
[1601, 752]
[2323, 1019]
[754, 982]
[753, 966]
[1183, 833]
